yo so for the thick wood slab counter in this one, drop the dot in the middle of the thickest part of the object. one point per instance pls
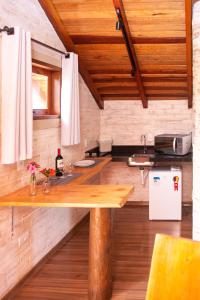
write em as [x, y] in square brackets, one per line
[102, 196]
[100, 199]
[73, 194]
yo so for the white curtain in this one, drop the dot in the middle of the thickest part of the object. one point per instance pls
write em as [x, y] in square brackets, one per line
[16, 109]
[70, 107]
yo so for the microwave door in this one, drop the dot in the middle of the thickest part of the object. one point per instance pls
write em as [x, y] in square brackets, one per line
[175, 145]
[166, 145]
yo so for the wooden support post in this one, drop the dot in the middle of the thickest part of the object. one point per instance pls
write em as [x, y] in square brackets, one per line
[100, 274]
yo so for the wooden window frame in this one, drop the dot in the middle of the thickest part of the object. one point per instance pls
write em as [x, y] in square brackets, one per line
[54, 92]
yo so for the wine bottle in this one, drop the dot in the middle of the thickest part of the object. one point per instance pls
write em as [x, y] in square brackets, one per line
[59, 164]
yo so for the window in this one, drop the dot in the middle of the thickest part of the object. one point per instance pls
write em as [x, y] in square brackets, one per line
[41, 90]
[45, 92]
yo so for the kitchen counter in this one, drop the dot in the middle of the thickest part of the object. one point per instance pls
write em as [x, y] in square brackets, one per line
[91, 196]
[100, 199]
[121, 153]
[172, 158]
[76, 193]
[159, 158]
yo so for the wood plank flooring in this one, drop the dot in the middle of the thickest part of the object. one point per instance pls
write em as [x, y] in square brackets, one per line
[64, 276]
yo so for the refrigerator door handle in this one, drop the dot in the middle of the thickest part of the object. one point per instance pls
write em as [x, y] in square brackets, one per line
[174, 145]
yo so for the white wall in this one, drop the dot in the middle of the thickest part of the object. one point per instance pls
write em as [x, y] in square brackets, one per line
[37, 230]
[126, 121]
[196, 139]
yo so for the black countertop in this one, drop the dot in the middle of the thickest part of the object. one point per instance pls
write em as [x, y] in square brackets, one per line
[167, 158]
[121, 153]
[159, 158]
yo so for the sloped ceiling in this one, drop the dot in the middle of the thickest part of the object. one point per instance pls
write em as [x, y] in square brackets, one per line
[160, 35]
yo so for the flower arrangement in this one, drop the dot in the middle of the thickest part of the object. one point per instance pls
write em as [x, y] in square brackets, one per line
[32, 167]
[48, 172]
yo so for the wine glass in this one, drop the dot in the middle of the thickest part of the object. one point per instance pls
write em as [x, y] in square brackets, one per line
[69, 168]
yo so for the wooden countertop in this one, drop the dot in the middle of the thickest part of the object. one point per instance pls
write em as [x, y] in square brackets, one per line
[74, 194]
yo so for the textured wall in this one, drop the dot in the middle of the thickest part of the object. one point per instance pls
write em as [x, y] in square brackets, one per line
[120, 173]
[37, 230]
[196, 139]
[125, 121]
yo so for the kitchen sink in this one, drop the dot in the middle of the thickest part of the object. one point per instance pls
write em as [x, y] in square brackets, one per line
[141, 160]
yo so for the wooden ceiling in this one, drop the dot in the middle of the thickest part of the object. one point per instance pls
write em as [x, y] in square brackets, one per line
[159, 36]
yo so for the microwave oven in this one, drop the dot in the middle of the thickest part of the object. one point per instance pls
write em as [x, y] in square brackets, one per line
[173, 144]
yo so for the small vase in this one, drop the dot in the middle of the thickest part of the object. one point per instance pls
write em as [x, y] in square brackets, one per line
[32, 187]
[46, 186]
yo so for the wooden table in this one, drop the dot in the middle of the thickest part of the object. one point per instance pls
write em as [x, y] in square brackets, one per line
[100, 199]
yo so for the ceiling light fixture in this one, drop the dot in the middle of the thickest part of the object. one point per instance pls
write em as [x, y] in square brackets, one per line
[118, 25]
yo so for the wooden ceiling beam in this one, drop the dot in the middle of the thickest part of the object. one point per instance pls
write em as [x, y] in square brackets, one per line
[128, 71]
[110, 71]
[188, 25]
[145, 79]
[129, 89]
[131, 97]
[60, 29]
[93, 39]
[164, 79]
[119, 7]
[163, 71]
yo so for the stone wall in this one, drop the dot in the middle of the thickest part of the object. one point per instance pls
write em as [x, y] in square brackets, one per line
[37, 230]
[120, 173]
[126, 121]
[196, 139]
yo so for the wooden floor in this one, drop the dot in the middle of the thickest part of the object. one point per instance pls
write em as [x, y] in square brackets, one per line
[64, 276]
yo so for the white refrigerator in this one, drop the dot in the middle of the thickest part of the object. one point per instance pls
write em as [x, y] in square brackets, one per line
[165, 193]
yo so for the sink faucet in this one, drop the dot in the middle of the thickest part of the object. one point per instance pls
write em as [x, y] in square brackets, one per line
[143, 140]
